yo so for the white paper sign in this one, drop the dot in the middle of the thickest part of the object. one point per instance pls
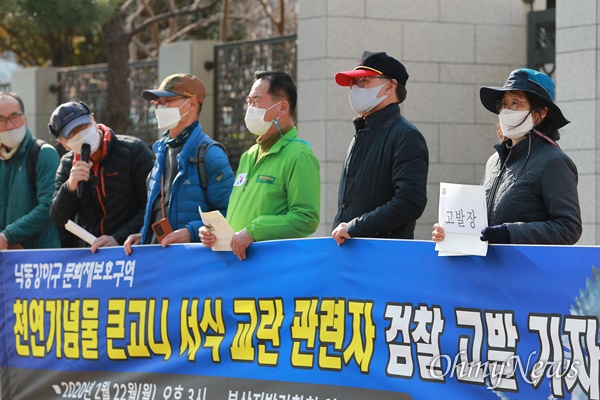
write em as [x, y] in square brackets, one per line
[462, 214]
[80, 232]
[218, 225]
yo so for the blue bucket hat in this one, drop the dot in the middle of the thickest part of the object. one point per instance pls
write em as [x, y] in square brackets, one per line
[526, 80]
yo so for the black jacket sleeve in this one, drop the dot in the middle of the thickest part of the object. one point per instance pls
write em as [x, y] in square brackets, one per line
[559, 189]
[64, 203]
[409, 175]
[141, 163]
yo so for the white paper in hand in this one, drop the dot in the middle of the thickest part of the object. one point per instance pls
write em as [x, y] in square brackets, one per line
[218, 225]
[80, 232]
[463, 215]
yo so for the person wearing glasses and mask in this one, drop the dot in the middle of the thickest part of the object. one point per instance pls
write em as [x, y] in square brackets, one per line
[276, 194]
[174, 187]
[104, 191]
[382, 189]
[25, 188]
[530, 183]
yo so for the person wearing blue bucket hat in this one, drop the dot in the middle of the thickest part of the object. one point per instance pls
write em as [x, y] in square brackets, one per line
[530, 183]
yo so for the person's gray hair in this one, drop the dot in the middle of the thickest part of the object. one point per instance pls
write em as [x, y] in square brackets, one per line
[16, 97]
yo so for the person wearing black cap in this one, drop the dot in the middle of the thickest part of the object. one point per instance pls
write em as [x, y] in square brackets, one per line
[382, 190]
[175, 191]
[106, 194]
[530, 183]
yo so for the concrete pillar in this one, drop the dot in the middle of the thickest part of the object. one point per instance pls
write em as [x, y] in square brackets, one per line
[450, 49]
[578, 95]
[191, 57]
[33, 85]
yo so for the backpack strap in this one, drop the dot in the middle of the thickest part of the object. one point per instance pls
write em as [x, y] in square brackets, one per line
[200, 161]
[32, 158]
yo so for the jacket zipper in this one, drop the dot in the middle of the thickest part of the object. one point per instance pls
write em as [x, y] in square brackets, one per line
[101, 191]
[490, 200]
[346, 167]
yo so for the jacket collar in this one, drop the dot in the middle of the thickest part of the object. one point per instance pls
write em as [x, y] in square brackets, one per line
[24, 146]
[504, 148]
[189, 148]
[378, 117]
[108, 137]
[290, 136]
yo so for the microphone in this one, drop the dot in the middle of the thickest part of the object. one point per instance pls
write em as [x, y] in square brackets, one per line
[85, 156]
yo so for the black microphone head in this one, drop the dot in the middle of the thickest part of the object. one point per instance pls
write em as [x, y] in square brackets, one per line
[85, 152]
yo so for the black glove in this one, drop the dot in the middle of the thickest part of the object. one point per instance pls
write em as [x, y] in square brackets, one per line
[495, 234]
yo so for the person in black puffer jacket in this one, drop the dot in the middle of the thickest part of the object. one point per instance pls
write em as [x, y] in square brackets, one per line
[110, 203]
[383, 187]
[530, 183]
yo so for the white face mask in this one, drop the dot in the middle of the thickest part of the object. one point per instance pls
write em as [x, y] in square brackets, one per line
[255, 120]
[364, 99]
[168, 117]
[515, 124]
[14, 137]
[89, 135]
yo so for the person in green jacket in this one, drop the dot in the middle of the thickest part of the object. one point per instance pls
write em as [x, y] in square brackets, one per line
[276, 193]
[24, 205]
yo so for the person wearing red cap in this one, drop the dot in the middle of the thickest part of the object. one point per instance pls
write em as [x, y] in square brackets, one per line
[382, 189]
[530, 183]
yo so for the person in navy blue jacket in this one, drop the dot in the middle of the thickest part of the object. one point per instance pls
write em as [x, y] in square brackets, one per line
[530, 183]
[174, 189]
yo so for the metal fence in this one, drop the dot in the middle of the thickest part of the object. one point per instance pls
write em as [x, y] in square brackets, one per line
[541, 40]
[88, 84]
[235, 64]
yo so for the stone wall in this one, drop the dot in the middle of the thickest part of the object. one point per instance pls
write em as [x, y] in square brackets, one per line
[450, 49]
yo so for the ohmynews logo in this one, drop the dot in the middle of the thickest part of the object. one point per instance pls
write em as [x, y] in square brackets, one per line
[497, 371]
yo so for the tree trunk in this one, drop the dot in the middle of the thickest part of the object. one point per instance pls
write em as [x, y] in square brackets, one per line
[117, 90]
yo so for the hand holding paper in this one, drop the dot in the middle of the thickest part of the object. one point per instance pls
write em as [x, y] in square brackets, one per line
[80, 232]
[218, 225]
[462, 214]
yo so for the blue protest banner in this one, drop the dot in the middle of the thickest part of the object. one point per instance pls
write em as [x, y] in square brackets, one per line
[299, 320]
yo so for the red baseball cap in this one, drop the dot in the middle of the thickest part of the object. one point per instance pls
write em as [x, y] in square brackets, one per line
[374, 63]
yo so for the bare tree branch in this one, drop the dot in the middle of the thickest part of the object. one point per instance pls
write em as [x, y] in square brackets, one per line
[154, 27]
[189, 28]
[130, 18]
[125, 6]
[281, 24]
[224, 21]
[147, 48]
[267, 9]
[165, 16]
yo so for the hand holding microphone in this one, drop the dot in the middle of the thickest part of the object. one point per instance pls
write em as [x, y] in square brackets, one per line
[85, 156]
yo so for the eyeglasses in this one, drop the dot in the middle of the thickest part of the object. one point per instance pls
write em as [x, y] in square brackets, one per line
[512, 105]
[13, 118]
[164, 101]
[360, 82]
